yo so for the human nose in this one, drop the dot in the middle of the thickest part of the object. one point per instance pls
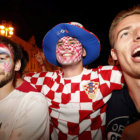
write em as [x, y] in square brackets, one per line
[137, 35]
[66, 46]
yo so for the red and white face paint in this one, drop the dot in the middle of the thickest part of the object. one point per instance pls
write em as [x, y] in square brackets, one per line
[68, 51]
[5, 59]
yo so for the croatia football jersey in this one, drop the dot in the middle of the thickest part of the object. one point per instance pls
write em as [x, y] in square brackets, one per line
[77, 105]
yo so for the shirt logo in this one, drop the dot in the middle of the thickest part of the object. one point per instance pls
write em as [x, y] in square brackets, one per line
[91, 89]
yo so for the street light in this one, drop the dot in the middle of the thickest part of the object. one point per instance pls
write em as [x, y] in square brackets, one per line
[6, 30]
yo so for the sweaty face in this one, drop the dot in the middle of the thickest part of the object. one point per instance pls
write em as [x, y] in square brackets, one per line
[6, 68]
[127, 45]
[68, 51]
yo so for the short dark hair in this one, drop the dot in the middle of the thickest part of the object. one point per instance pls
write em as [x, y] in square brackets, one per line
[24, 61]
[119, 17]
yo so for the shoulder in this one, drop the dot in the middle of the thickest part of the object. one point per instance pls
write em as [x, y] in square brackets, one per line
[32, 98]
[33, 103]
[119, 95]
[118, 103]
[25, 100]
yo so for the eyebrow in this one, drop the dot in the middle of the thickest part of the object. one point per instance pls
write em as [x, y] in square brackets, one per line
[59, 42]
[126, 28]
[72, 39]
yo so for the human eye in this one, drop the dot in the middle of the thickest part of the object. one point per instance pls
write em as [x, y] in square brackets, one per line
[124, 34]
[3, 57]
[72, 42]
[59, 44]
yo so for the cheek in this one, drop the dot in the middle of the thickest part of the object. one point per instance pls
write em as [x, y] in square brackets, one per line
[78, 50]
[57, 53]
[58, 50]
[7, 66]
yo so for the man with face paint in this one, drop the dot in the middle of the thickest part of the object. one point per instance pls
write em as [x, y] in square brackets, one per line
[21, 114]
[77, 96]
[6, 69]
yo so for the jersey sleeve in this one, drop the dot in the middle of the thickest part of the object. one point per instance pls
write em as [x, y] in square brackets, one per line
[111, 77]
[31, 119]
[26, 87]
[32, 78]
[37, 80]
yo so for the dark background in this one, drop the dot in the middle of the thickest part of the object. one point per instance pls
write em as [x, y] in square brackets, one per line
[36, 17]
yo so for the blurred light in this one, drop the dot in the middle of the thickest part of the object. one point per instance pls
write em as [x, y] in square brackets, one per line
[2, 32]
[2, 27]
[6, 30]
[11, 33]
[11, 28]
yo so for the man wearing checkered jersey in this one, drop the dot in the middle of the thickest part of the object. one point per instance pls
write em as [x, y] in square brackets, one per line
[77, 96]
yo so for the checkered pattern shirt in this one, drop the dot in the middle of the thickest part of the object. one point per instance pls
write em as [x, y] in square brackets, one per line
[77, 105]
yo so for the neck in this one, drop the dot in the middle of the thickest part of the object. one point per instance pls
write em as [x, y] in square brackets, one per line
[73, 70]
[133, 85]
[19, 82]
[6, 90]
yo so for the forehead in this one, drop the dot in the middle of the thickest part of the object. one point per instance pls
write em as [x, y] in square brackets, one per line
[67, 38]
[130, 21]
[4, 49]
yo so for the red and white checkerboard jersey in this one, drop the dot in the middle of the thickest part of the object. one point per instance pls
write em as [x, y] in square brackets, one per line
[77, 105]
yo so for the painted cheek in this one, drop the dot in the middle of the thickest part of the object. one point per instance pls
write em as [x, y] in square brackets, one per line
[58, 49]
[7, 66]
[58, 54]
[78, 50]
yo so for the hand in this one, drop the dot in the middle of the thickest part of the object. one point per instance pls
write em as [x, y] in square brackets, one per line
[132, 132]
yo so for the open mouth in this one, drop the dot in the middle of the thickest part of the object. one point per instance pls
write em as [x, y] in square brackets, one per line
[136, 53]
[67, 54]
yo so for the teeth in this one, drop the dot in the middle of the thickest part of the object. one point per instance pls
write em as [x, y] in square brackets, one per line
[136, 50]
[136, 53]
[67, 54]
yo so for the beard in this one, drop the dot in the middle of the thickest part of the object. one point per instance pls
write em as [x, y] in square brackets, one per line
[9, 77]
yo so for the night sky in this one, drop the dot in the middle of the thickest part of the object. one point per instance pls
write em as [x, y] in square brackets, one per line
[36, 17]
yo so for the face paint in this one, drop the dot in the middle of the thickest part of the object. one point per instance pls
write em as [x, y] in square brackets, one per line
[5, 58]
[68, 50]
[7, 72]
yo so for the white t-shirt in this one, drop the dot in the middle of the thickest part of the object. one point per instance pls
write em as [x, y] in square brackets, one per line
[24, 116]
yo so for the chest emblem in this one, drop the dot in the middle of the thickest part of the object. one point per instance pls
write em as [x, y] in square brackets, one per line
[91, 89]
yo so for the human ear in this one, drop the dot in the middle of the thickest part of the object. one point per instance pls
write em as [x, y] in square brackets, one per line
[114, 54]
[84, 52]
[18, 65]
